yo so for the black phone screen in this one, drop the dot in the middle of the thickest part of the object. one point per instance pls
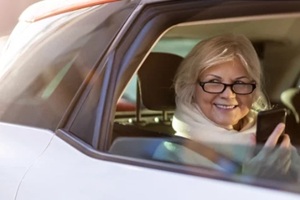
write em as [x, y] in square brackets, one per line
[267, 121]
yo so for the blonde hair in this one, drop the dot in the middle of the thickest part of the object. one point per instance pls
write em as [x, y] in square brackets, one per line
[217, 50]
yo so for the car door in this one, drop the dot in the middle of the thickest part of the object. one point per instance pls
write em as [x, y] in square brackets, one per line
[78, 162]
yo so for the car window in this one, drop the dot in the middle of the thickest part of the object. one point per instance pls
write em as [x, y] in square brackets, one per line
[113, 18]
[149, 128]
[53, 60]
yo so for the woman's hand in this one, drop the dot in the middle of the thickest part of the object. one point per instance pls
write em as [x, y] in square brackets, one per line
[274, 137]
[272, 161]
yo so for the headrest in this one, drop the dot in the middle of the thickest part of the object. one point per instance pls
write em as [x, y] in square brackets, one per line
[291, 99]
[156, 81]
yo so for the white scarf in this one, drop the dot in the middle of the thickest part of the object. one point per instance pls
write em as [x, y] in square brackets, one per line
[190, 122]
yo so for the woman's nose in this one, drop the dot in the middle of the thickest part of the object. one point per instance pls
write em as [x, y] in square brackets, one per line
[228, 93]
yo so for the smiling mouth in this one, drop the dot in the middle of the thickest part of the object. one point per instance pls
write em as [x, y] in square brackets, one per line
[226, 107]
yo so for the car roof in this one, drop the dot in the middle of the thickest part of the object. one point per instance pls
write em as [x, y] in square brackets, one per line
[48, 8]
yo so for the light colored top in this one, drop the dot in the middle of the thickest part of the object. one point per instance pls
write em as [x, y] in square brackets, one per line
[190, 122]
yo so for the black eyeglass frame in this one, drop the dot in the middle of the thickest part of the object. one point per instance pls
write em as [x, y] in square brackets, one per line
[202, 84]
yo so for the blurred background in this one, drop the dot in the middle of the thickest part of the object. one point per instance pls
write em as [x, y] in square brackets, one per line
[10, 10]
[9, 13]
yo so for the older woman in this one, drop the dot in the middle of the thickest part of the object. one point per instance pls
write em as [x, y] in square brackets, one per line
[219, 92]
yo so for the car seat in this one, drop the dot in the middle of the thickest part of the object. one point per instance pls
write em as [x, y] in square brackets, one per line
[155, 92]
[155, 82]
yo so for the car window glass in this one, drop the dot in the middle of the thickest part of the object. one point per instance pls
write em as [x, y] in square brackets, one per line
[278, 53]
[56, 58]
[84, 123]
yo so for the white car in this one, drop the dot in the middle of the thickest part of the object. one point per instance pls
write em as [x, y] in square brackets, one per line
[76, 121]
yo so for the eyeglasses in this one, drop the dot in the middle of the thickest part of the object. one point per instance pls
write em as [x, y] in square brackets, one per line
[218, 88]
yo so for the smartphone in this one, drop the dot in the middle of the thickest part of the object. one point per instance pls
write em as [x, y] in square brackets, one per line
[267, 121]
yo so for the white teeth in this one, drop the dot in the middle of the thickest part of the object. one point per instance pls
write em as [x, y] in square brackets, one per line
[224, 106]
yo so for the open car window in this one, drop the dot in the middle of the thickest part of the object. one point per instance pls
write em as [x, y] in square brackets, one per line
[143, 120]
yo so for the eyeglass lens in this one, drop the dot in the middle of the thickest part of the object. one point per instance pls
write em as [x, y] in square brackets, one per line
[238, 88]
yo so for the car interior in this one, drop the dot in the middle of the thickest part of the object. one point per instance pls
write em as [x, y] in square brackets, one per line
[148, 103]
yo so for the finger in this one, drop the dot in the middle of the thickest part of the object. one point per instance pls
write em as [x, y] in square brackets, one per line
[283, 159]
[284, 156]
[273, 138]
[286, 142]
[287, 165]
[274, 154]
[264, 152]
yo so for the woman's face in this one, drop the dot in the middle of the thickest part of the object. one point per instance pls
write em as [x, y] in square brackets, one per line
[226, 108]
